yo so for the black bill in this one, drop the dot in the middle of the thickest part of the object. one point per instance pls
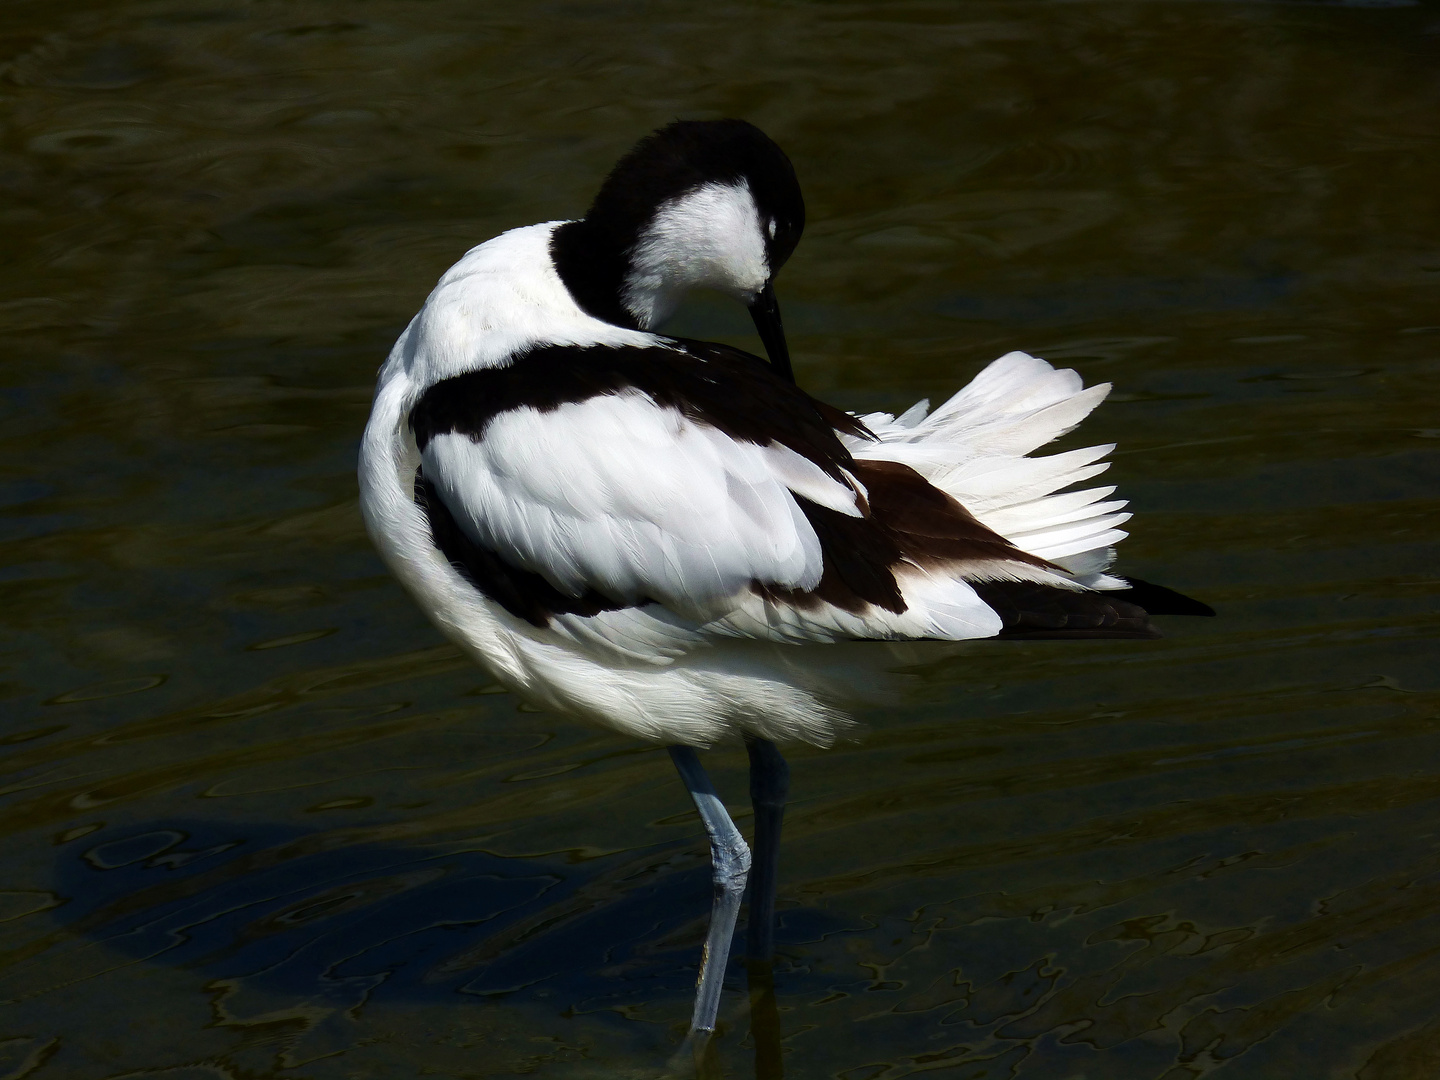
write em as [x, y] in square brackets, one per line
[765, 310]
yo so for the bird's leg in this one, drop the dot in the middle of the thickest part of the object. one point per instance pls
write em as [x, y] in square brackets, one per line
[730, 866]
[769, 786]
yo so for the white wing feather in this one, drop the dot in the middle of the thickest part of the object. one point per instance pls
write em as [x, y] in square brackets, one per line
[632, 499]
[974, 447]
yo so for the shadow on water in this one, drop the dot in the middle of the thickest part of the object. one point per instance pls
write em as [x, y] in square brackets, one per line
[283, 912]
[280, 923]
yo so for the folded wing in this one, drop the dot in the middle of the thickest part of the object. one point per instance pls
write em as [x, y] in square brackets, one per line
[683, 492]
[630, 500]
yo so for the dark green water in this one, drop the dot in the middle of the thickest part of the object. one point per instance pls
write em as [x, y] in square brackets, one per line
[260, 821]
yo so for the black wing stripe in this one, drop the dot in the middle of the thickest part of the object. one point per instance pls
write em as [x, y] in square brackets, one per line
[523, 593]
[726, 388]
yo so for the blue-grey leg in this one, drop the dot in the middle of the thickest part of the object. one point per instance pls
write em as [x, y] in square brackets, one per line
[769, 787]
[729, 867]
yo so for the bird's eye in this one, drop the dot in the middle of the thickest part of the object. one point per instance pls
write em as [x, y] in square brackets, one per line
[771, 227]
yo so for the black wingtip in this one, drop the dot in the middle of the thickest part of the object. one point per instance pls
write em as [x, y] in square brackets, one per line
[1029, 609]
[1158, 600]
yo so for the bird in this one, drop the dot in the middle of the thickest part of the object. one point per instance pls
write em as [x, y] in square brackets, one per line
[658, 535]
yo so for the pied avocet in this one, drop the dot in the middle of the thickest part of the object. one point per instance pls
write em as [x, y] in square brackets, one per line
[608, 519]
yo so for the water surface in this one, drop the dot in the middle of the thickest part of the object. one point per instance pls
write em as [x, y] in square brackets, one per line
[259, 820]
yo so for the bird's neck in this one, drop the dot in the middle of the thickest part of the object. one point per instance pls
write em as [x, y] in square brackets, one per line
[593, 261]
[632, 267]
[503, 299]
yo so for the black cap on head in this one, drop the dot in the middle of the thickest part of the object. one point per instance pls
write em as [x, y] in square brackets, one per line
[688, 153]
[591, 254]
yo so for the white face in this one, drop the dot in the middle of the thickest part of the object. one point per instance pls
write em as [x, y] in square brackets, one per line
[712, 238]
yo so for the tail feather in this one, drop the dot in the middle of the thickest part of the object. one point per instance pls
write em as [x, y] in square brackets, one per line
[1016, 382]
[1062, 509]
[1001, 482]
[1072, 539]
[1019, 433]
[975, 447]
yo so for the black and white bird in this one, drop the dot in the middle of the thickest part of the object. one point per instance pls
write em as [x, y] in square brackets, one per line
[613, 522]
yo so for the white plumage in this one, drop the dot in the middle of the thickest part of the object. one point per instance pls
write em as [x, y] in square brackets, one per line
[633, 498]
[976, 445]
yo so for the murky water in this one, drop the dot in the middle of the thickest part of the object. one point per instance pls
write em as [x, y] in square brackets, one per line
[259, 820]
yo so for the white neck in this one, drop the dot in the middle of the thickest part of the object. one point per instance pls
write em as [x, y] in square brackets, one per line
[502, 298]
[707, 238]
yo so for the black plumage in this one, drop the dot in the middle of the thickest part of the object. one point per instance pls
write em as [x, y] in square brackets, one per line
[592, 254]
[715, 384]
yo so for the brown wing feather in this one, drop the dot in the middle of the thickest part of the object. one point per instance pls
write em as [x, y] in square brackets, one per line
[907, 521]
[929, 525]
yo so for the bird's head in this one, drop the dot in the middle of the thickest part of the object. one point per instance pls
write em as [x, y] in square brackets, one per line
[698, 204]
